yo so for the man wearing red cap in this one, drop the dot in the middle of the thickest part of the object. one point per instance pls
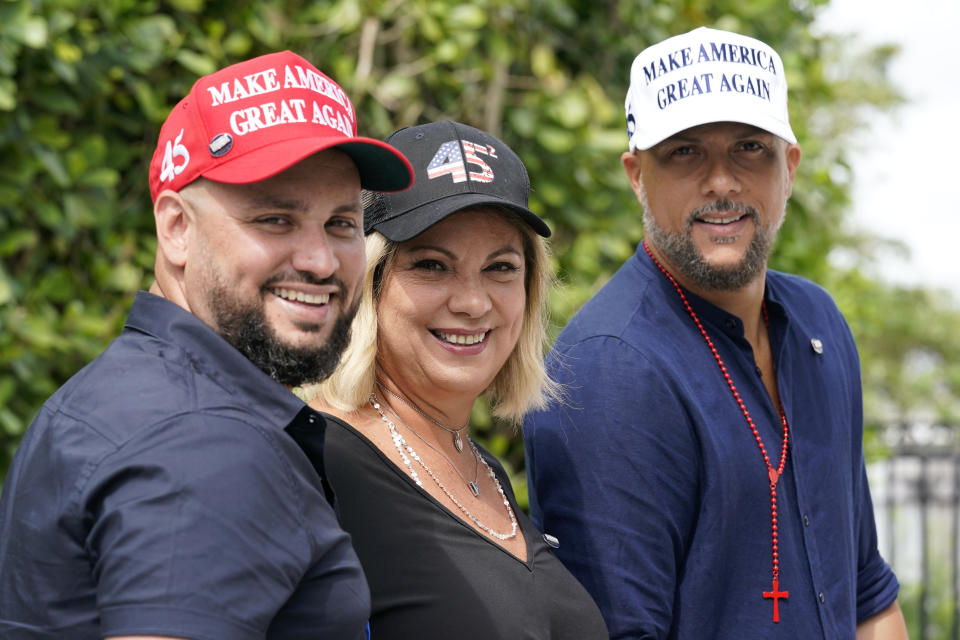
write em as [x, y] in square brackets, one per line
[173, 488]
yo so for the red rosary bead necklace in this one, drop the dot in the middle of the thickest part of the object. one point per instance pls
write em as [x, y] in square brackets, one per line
[773, 474]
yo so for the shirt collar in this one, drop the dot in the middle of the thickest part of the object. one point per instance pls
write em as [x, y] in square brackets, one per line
[707, 311]
[214, 357]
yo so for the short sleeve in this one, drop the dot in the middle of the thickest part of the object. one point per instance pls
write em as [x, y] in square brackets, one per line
[198, 528]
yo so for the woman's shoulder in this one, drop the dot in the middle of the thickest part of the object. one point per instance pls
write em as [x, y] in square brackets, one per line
[346, 443]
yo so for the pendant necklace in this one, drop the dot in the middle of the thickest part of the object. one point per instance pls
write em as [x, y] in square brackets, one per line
[474, 484]
[773, 474]
[457, 442]
[403, 448]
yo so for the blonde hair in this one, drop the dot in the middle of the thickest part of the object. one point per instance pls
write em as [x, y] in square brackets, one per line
[521, 385]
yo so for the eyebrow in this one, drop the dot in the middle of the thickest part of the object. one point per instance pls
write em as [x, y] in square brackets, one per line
[494, 254]
[281, 203]
[748, 131]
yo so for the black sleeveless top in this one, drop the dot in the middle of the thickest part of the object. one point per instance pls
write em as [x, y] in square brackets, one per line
[431, 575]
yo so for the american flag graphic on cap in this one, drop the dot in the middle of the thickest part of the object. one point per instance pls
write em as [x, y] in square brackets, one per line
[448, 159]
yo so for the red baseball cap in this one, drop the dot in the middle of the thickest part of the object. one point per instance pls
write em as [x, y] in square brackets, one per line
[254, 119]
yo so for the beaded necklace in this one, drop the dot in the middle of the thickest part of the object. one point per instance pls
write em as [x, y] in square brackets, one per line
[473, 484]
[403, 448]
[773, 474]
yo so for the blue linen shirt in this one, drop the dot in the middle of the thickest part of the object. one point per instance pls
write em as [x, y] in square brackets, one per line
[162, 491]
[651, 479]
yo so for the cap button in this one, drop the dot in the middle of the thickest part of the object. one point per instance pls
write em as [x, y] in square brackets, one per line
[220, 145]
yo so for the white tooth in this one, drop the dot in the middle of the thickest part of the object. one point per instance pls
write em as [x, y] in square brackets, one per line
[300, 296]
[461, 339]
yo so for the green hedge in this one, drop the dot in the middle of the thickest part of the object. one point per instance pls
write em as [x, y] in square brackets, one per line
[85, 85]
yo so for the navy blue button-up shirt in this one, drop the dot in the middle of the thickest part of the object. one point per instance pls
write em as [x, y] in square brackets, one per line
[651, 479]
[161, 491]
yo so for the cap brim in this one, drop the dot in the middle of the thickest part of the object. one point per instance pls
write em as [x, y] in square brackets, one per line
[415, 221]
[381, 167]
[696, 117]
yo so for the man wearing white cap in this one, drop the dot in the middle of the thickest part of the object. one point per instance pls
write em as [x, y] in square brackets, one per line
[173, 487]
[706, 477]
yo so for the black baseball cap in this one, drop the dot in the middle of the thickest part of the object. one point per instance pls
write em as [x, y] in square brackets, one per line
[455, 166]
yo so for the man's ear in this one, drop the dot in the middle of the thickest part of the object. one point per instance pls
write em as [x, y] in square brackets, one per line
[173, 223]
[631, 164]
[793, 161]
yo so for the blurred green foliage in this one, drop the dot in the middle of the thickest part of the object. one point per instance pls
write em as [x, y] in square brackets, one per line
[84, 87]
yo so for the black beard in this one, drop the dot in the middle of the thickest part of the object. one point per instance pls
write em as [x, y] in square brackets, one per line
[245, 327]
[683, 255]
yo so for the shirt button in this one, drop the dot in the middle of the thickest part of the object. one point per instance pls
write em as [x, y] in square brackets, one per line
[312, 418]
[806, 520]
[820, 595]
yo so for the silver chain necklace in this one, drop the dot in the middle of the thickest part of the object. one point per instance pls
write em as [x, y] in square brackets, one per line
[457, 442]
[403, 448]
[474, 484]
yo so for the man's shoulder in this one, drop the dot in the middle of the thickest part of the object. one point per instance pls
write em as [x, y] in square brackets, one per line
[620, 309]
[795, 284]
[800, 296]
[142, 385]
[136, 381]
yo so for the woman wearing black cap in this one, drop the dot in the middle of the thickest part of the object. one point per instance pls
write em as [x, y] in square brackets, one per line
[454, 307]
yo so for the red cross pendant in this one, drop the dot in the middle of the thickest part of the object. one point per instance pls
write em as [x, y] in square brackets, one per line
[776, 594]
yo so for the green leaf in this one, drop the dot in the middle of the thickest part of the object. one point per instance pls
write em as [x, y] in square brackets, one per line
[12, 424]
[67, 52]
[199, 64]
[6, 289]
[124, 277]
[150, 99]
[53, 163]
[103, 177]
[56, 285]
[17, 24]
[542, 61]
[34, 33]
[78, 211]
[8, 94]
[466, 17]
[150, 33]
[56, 100]
[571, 110]
[14, 241]
[190, 6]
[556, 140]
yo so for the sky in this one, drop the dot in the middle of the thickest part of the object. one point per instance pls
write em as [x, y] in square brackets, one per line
[907, 164]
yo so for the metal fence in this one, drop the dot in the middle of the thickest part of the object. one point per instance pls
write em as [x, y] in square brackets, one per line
[916, 494]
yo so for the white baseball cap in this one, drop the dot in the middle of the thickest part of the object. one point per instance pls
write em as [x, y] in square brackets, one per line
[705, 75]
